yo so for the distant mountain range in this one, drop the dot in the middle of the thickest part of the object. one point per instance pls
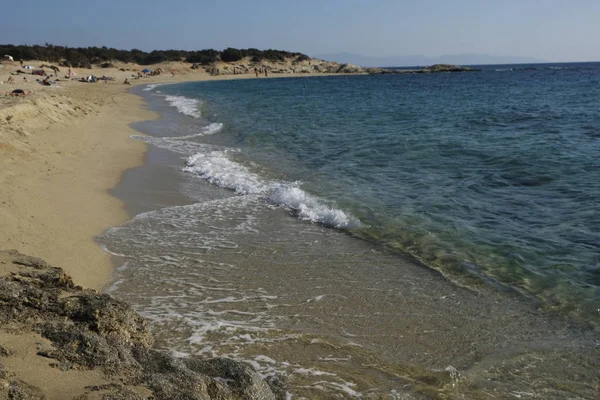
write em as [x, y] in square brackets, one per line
[419, 60]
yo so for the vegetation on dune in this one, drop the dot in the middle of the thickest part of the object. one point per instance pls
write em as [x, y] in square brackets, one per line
[84, 57]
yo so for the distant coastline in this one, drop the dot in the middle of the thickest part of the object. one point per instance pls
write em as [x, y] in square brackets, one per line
[420, 60]
[226, 62]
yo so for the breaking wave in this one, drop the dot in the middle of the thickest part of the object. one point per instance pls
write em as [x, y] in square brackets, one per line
[216, 168]
[152, 86]
[185, 105]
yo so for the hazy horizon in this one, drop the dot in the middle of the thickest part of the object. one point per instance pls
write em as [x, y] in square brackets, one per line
[548, 30]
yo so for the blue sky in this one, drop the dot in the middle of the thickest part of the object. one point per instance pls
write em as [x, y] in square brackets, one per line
[553, 30]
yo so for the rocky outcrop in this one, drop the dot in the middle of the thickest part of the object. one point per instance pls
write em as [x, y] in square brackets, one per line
[287, 66]
[437, 68]
[350, 69]
[92, 331]
[445, 68]
[316, 66]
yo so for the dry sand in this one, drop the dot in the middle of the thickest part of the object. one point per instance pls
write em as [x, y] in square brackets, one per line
[61, 148]
[60, 151]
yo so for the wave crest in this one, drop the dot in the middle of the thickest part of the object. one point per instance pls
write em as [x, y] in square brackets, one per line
[218, 169]
[185, 105]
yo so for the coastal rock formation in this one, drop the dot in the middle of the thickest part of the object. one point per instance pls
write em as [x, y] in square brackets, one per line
[313, 65]
[287, 66]
[437, 68]
[350, 69]
[88, 331]
[445, 68]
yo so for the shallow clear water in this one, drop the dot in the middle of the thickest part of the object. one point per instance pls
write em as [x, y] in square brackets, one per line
[494, 173]
[274, 219]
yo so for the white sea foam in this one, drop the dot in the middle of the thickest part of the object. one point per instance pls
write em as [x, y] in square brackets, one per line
[265, 359]
[152, 86]
[112, 288]
[309, 208]
[345, 387]
[313, 372]
[218, 169]
[185, 105]
[106, 249]
[207, 130]
[317, 298]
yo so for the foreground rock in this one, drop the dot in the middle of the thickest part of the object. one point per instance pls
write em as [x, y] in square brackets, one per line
[89, 331]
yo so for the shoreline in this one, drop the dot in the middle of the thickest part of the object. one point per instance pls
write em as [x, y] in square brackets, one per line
[62, 149]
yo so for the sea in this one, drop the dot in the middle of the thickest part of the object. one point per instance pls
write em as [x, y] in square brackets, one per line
[401, 236]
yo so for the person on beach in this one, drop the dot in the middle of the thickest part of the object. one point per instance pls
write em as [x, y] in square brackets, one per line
[256, 71]
[19, 92]
[126, 82]
[10, 79]
[266, 72]
[24, 79]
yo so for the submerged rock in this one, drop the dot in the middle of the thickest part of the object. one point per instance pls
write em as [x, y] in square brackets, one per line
[93, 331]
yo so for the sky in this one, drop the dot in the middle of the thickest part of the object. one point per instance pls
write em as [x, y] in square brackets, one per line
[552, 30]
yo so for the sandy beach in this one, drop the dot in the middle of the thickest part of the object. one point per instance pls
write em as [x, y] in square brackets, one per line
[61, 148]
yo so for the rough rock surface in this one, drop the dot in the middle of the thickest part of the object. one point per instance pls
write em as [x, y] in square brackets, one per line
[313, 65]
[350, 69]
[92, 331]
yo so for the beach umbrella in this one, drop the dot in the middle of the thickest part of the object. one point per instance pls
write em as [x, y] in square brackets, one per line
[146, 71]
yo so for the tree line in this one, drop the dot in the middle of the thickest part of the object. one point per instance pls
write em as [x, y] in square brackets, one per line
[85, 57]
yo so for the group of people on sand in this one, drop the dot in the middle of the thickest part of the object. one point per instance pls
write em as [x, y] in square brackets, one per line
[16, 92]
[264, 70]
[11, 79]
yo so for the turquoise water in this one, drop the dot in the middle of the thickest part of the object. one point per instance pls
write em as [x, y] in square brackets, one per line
[490, 177]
